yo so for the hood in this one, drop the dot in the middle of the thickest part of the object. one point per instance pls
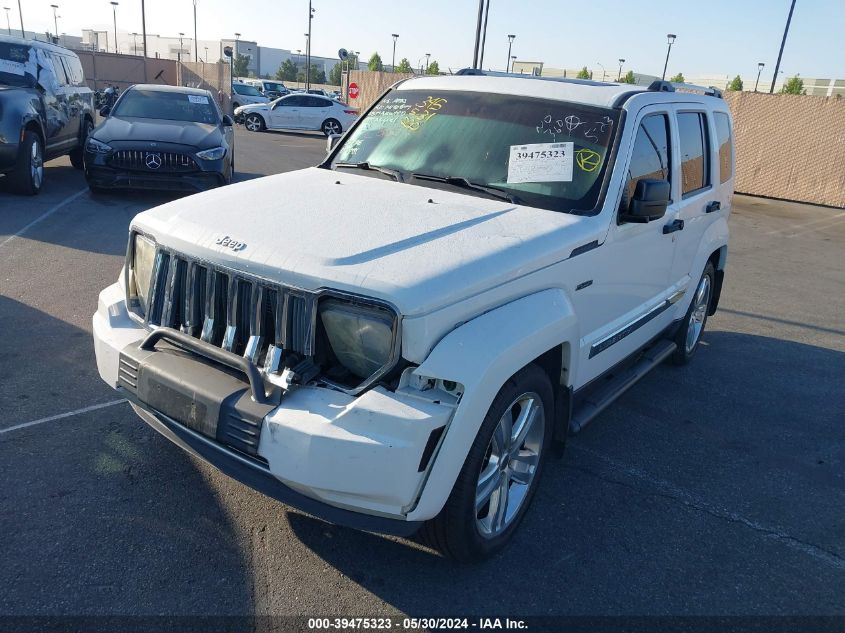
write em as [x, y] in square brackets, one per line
[254, 106]
[416, 247]
[199, 135]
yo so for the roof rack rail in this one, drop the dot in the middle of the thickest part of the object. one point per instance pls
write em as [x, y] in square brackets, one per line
[669, 86]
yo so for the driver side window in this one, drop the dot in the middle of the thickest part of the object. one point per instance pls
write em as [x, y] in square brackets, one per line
[651, 155]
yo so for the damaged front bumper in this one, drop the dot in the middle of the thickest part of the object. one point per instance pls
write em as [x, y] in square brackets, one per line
[359, 461]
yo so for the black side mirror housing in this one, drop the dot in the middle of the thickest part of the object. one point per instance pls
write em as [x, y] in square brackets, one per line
[227, 121]
[105, 110]
[649, 202]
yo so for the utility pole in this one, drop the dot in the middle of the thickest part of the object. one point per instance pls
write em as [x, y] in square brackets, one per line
[427, 56]
[478, 33]
[114, 13]
[144, 28]
[179, 54]
[8, 24]
[135, 43]
[55, 19]
[196, 42]
[395, 37]
[782, 44]
[760, 66]
[619, 75]
[484, 36]
[308, 49]
[20, 13]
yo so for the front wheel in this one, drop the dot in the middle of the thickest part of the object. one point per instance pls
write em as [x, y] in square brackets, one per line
[28, 175]
[692, 327]
[501, 471]
[254, 123]
[331, 126]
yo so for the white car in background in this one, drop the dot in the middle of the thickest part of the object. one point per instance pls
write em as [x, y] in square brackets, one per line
[242, 94]
[298, 111]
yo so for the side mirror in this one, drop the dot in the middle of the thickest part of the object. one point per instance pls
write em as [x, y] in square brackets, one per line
[105, 110]
[227, 121]
[331, 142]
[649, 202]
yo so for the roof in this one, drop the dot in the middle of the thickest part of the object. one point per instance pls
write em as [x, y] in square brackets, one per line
[584, 91]
[164, 88]
[12, 39]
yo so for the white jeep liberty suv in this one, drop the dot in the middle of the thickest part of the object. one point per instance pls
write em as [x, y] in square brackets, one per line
[399, 341]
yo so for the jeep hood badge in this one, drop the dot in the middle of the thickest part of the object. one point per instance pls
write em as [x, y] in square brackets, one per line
[228, 242]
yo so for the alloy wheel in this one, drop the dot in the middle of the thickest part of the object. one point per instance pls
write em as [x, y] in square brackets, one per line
[699, 313]
[509, 465]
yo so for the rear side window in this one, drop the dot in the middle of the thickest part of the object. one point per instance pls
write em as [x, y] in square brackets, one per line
[650, 158]
[695, 151]
[74, 70]
[726, 146]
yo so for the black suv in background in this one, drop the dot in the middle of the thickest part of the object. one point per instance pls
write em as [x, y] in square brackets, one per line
[46, 110]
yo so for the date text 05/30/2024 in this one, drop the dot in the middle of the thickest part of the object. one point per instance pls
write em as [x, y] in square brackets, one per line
[480, 624]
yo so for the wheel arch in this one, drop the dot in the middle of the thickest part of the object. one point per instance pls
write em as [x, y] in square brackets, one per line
[482, 355]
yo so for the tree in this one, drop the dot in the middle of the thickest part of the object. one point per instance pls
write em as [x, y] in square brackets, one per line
[375, 63]
[583, 73]
[242, 65]
[318, 75]
[736, 83]
[433, 68]
[300, 76]
[678, 79]
[793, 86]
[287, 71]
[629, 78]
[336, 73]
[404, 66]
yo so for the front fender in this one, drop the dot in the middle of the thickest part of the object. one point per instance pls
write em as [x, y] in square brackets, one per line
[482, 355]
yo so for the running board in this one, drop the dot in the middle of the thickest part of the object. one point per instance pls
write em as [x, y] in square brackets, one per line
[598, 401]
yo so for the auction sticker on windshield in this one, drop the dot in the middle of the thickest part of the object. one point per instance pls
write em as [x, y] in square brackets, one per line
[198, 99]
[541, 162]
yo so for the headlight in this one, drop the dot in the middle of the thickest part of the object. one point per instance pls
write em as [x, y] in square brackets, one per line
[362, 338]
[215, 153]
[97, 147]
[139, 273]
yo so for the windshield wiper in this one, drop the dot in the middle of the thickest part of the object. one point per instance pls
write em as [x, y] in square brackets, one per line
[393, 173]
[463, 183]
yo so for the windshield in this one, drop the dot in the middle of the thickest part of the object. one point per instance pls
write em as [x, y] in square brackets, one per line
[172, 106]
[249, 91]
[548, 154]
[269, 85]
[17, 65]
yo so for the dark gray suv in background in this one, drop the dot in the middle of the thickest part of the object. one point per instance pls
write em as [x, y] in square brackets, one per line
[46, 110]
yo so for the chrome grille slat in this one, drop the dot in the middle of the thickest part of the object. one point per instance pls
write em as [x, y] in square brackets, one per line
[258, 319]
[136, 160]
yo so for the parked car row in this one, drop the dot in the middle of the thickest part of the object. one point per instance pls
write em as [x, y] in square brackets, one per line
[298, 111]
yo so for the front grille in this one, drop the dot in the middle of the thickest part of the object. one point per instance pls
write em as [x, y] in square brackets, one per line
[151, 161]
[260, 320]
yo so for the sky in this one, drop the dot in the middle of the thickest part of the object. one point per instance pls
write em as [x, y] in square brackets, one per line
[717, 37]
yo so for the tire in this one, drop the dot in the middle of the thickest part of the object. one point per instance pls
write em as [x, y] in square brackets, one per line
[77, 154]
[691, 329]
[331, 126]
[254, 123]
[470, 526]
[28, 175]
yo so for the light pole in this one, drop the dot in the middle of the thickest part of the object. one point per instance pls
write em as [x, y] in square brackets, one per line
[135, 43]
[395, 37]
[311, 12]
[206, 54]
[196, 42]
[619, 76]
[511, 38]
[179, 54]
[144, 27]
[782, 44]
[55, 19]
[8, 24]
[20, 14]
[234, 55]
[760, 66]
[603, 70]
[114, 14]
[670, 39]
[305, 74]
[427, 57]
[513, 59]
[484, 35]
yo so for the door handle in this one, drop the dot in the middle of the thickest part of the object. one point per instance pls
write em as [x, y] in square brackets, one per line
[674, 225]
[713, 206]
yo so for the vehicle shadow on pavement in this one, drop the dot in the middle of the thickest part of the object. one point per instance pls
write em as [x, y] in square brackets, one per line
[101, 515]
[649, 493]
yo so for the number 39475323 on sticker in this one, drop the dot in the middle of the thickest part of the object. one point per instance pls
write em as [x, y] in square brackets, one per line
[540, 162]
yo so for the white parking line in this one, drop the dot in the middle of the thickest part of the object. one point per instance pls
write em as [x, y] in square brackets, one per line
[61, 416]
[44, 215]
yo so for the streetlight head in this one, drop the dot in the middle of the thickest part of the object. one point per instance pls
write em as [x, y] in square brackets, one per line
[55, 6]
[511, 37]
[760, 64]
[670, 37]
[394, 35]
[113, 3]
[181, 35]
[621, 61]
[237, 34]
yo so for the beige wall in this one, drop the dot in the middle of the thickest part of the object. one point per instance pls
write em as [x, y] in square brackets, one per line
[371, 85]
[790, 146]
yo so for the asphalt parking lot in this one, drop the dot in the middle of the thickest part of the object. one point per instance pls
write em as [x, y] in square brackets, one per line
[717, 488]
